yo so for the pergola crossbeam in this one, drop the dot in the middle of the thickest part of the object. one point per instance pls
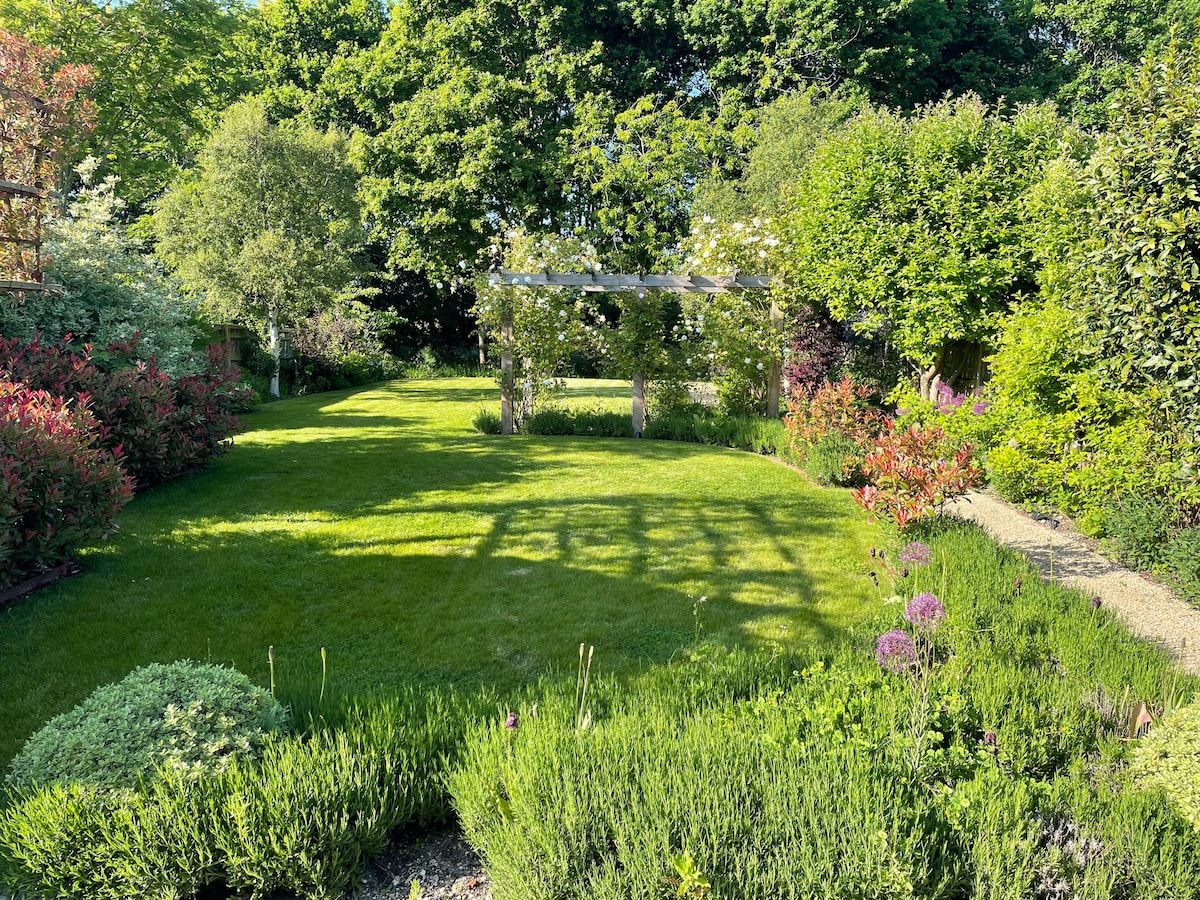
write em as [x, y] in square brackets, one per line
[596, 282]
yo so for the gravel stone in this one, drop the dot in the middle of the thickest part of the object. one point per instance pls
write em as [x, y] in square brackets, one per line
[444, 864]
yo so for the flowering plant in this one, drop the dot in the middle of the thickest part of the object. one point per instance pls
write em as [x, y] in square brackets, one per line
[902, 653]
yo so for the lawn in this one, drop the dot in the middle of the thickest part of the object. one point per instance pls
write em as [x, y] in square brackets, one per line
[379, 525]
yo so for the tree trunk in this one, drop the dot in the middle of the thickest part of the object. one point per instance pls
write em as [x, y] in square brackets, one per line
[276, 350]
[506, 375]
[639, 403]
[482, 349]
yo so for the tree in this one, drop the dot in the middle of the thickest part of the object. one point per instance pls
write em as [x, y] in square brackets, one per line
[163, 70]
[915, 228]
[41, 107]
[266, 226]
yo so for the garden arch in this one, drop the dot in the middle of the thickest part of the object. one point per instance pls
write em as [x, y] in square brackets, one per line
[597, 283]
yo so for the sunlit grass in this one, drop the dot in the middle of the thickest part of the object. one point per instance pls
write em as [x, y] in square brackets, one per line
[380, 525]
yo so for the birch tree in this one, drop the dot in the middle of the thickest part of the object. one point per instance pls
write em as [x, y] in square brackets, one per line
[266, 226]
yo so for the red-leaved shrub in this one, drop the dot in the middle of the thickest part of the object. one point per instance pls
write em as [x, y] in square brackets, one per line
[162, 427]
[842, 408]
[58, 486]
[913, 471]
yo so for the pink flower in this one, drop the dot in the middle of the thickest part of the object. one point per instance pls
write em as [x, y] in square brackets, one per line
[895, 651]
[925, 611]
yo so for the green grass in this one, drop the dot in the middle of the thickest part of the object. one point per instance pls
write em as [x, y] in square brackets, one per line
[377, 524]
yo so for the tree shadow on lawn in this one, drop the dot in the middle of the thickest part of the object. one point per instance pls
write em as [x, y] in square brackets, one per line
[479, 613]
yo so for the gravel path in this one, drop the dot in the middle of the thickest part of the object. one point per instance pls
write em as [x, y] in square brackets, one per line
[443, 864]
[1149, 609]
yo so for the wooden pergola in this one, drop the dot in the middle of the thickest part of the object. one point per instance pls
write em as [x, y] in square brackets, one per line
[37, 194]
[597, 283]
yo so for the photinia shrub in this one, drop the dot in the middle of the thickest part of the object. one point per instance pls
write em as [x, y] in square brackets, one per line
[162, 427]
[832, 426]
[913, 471]
[58, 485]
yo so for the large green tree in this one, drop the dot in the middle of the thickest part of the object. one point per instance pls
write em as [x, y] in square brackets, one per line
[163, 70]
[915, 229]
[266, 226]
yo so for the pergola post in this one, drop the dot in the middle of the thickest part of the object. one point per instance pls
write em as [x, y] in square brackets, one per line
[775, 372]
[506, 374]
[639, 403]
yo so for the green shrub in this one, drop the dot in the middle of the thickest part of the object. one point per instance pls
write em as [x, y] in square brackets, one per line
[1169, 757]
[304, 817]
[1181, 560]
[309, 815]
[83, 841]
[826, 461]
[1138, 528]
[550, 420]
[486, 422]
[183, 716]
[765, 800]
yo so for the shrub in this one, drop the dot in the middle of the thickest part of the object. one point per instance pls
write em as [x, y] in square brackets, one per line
[191, 718]
[1138, 528]
[1169, 757]
[58, 486]
[550, 420]
[1181, 560]
[486, 422]
[77, 840]
[913, 471]
[304, 817]
[162, 428]
[830, 461]
[311, 813]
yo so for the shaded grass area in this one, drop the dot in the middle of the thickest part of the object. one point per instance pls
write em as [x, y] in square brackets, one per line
[379, 525]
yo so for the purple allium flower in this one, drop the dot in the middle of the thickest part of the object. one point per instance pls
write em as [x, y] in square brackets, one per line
[980, 407]
[895, 651]
[925, 611]
[916, 553]
[512, 722]
[904, 572]
[874, 578]
[873, 552]
[1095, 603]
[989, 739]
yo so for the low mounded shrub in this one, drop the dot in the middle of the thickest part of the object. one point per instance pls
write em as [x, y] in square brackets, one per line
[58, 486]
[191, 718]
[1169, 758]
[830, 461]
[486, 422]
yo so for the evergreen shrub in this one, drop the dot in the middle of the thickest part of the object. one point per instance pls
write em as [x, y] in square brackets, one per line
[192, 718]
[58, 486]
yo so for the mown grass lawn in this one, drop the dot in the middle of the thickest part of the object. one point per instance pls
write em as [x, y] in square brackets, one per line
[379, 525]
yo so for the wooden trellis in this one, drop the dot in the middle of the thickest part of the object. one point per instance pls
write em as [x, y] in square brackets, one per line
[36, 195]
[597, 283]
